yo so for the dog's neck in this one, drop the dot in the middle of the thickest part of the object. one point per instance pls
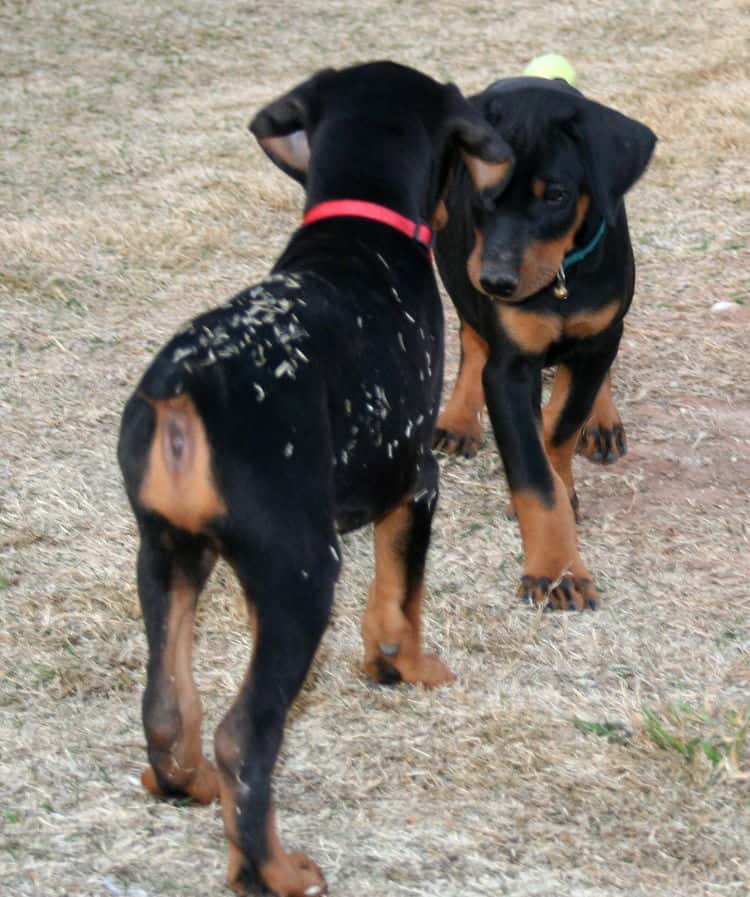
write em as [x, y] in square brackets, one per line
[398, 185]
[587, 240]
[357, 208]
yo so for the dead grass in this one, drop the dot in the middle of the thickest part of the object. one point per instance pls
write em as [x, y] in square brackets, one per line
[131, 198]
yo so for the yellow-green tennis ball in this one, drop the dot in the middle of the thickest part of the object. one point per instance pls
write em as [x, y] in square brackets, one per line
[551, 65]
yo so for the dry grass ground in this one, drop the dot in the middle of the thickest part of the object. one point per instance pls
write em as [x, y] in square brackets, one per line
[576, 756]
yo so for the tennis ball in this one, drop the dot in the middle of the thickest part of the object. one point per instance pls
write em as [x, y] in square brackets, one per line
[551, 65]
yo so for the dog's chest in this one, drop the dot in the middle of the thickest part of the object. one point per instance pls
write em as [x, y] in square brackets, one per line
[535, 329]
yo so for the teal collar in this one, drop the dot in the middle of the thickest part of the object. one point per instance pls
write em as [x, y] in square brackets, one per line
[573, 258]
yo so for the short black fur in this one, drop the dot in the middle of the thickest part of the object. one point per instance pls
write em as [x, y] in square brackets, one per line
[500, 262]
[317, 390]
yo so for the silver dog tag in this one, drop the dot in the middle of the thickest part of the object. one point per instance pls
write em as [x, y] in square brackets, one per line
[560, 290]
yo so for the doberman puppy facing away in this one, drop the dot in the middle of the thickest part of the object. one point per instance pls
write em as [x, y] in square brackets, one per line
[543, 274]
[302, 407]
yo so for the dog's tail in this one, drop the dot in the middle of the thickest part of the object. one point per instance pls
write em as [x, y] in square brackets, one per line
[165, 377]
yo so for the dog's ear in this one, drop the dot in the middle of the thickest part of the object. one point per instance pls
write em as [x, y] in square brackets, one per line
[487, 157]
[282, 127]
[615, 149]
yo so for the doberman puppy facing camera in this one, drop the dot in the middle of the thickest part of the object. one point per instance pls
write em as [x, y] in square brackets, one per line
[543, 274]
[302, 407]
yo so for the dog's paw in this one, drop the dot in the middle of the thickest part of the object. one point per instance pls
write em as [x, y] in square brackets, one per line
[201, 785]
[565, 593]
[293, 875]
[428, 670]
[458, 431]
[602, 445]
[284, 875]
[392, 667]
[457, 443]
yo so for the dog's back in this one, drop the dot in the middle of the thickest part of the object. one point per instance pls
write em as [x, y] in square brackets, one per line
[330, 366]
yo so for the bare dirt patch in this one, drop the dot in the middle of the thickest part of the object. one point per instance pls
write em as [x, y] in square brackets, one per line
[580, 755]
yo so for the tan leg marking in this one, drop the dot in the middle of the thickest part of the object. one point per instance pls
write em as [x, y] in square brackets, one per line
[459, 427]
[175, 729]
[391, 626]
[604, 412]
[553, 569]
[285, 874]
[290, 874]
[560, 456]
[178, 482]
[603, 438]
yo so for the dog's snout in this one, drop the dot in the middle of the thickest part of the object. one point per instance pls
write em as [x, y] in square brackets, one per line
[501, 270]
[499, 283]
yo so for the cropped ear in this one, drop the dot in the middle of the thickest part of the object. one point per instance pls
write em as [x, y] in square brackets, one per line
[487, 157]
[282, 127]
[616, 151]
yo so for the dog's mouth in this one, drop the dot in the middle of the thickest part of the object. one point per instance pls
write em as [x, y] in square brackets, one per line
[531, 281]
[539, 267]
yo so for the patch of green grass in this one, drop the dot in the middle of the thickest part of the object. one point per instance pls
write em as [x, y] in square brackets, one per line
[12, 816]
[615, 732]
[44, 675]
[689, 732]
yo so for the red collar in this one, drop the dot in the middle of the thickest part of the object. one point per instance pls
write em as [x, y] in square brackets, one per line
[357, 208]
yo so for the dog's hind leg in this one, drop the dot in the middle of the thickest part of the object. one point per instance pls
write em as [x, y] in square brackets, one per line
[289, 599]
[173, 567]
[391, 627]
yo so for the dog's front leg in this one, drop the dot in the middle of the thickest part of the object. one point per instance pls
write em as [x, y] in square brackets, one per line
[554, 573]
[392, 623]
[577, 383]
[459, 428]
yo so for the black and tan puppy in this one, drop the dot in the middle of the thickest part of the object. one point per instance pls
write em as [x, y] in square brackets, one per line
[303, 407]
[541, 275]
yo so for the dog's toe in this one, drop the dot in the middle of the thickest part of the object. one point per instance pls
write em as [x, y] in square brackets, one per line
[462, 445]
[565, 593]
[603, 445]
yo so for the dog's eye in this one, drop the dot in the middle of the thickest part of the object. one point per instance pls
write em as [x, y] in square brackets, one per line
[555, 194]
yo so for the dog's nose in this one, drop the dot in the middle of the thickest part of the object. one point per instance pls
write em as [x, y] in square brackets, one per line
[499, 283]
